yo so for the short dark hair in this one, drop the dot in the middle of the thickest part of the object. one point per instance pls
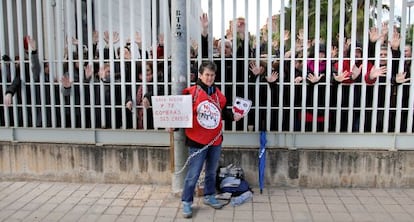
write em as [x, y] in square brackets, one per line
[207, 65]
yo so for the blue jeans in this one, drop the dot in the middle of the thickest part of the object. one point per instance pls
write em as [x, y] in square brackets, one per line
[211, 156]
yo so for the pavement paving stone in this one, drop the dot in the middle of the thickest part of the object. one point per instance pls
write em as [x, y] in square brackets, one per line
[260, 198]
[310, 192]
[368, 200]
[131, 211]
[107, 218]
[341, 217]
[243, 215]
[298, 207]
[349, 200]
[332, 200]
[362, 217]
[262, 215]
[55, 201]
[149, 211]
[314, 200]
[343, 192]
[382, 217]
[63, 208]
[116, 210]
[402, 217]
[322, 217]
[261, 206]
[120, 202]
[153, 203]
[327, 193]
[336, 208]
[54, 216]
[280, 207]
[20, 215]
[282, 215]
[97, 209]
[278, 199]
[105, 201]
[145, 218]
[89, 218]
[126, 218]
[318, 208]
[386, 200]
[355, 208]
[87, 201]
[296, 199]
[15, 205]
[301, 216]
[361, 193]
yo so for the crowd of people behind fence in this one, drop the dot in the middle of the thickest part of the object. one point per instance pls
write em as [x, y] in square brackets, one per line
[113, 91]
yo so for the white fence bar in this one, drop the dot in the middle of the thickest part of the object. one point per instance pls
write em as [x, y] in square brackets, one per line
[305, 58]
[402, 88]
[316, 73]
[60, 40]
[327, 113]
[269, 63]
[68, 34]
[121, 57]
[341, 50]
[281, 64]
[101, 62]
[29, 24]
[40, 52]
[5, 68]
[364, 70]
[23, 61]
[353, 62]
[111, 31]
[234, 52]
[144, 60]
[292, 60]
[411, 96]
[91, 59]
[50, 60]
[81, 62]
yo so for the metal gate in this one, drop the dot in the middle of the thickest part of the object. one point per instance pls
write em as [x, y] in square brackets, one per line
[317, 72]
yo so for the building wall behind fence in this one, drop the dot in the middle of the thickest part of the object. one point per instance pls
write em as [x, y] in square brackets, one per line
[92, 110]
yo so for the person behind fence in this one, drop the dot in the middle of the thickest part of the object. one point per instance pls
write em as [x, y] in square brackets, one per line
[402, 80]
[20, 85]
[205, 137]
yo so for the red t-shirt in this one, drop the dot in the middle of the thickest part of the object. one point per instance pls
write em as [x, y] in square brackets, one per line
[207, 116]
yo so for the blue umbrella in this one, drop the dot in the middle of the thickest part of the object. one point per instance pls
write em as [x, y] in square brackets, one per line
[262, 160]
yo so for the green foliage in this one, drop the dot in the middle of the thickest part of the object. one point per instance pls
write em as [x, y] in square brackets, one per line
[410, 35]
[326, 24]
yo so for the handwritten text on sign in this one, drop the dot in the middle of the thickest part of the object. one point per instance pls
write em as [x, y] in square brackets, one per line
[172, 111]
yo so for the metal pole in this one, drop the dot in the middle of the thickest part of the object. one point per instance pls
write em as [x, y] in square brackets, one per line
[179, 80]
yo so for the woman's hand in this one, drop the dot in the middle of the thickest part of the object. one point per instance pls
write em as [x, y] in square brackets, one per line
[237, 117]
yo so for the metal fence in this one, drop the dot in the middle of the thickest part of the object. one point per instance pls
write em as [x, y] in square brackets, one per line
[93, 65]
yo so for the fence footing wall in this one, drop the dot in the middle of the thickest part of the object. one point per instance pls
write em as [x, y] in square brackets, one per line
[151, 165]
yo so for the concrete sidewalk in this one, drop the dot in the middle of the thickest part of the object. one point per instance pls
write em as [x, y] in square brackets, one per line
[53, 201]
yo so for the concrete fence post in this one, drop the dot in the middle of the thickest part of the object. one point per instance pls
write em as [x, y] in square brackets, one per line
[178, 81]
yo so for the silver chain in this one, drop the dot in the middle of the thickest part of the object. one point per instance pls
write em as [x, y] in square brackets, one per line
[198, 152]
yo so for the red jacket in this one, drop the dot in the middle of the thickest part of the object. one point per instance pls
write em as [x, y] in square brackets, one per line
[346, 66]
[207, 115]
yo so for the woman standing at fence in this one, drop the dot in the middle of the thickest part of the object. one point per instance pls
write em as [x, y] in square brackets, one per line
[208, 113]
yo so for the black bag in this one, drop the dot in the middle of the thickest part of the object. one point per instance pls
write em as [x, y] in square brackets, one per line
[236, 190]
[231, 171]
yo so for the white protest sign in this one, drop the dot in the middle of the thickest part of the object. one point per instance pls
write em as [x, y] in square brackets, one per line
[173, 111]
